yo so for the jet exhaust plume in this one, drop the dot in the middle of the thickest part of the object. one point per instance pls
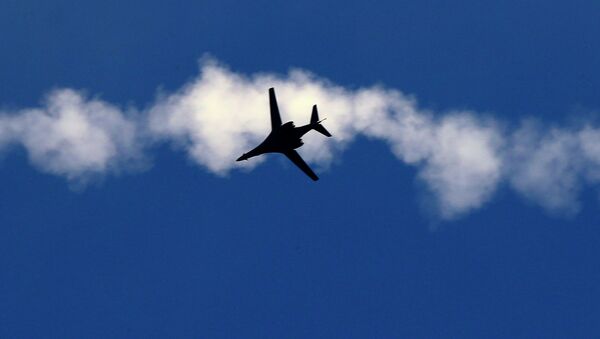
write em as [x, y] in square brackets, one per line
[462, 157]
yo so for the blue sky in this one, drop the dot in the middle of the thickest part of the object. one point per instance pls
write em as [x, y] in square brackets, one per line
[144, 231]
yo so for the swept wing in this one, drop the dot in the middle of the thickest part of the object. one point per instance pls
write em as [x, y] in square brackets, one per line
[275, 117]
[297, 160]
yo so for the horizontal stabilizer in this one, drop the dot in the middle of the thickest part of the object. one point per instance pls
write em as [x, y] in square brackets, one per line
[316, 124]
[321, 129]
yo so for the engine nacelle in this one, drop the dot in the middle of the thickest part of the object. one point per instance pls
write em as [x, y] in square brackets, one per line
[298, 143]
[288, 125]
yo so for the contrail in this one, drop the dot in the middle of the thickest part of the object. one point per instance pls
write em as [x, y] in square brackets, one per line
[461, 156]
[73, 136]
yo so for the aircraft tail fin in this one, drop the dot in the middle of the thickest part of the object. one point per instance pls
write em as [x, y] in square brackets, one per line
[316, 123]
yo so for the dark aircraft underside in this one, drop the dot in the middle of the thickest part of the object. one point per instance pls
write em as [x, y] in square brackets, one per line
[286, 138]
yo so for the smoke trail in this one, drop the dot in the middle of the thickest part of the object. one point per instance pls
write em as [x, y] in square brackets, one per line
[221, 114]
[461, 156]
[73, 137]
[550, 167]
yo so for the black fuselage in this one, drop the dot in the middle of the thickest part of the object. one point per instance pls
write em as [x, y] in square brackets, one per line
[284, 138]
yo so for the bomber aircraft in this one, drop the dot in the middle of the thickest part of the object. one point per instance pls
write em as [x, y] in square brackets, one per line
[287, 137]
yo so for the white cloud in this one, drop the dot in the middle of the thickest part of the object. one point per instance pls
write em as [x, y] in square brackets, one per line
[72, 136]
[550, 167]
[545, 167]
[464, 166]
[220, 115]
[462, 157]
[589, 140]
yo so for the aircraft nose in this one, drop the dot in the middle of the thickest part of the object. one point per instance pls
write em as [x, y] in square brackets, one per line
[243, 157]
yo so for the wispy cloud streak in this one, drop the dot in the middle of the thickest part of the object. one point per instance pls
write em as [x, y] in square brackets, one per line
[73, 136]
[462, 157]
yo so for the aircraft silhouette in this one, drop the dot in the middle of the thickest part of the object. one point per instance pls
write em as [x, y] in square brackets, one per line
[287, 137]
